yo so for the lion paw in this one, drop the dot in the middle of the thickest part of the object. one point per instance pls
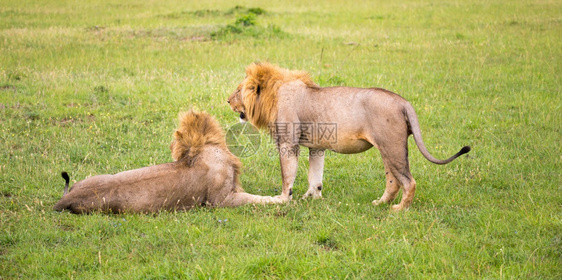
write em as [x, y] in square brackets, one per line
[281, 199]
[398, 207]
[314, 195]
[378, 202]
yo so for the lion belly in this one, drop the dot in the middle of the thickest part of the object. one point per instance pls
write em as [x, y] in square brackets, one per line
[351, 146]
[344, 146]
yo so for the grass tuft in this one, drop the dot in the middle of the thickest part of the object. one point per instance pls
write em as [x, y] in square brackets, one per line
[246, 25]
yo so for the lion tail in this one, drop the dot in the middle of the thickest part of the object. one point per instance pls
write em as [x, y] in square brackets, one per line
[64, 202]
[67, 182]
[196, 129]
[416, 131]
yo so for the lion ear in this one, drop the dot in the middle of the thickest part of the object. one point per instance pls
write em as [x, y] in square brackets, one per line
[178, 134]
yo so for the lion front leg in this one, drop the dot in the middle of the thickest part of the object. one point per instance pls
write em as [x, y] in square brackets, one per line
[242, 198]
[289, 160]
[315, 173]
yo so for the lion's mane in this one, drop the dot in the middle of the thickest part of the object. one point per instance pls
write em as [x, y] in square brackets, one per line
[260, 90]
[195, 131]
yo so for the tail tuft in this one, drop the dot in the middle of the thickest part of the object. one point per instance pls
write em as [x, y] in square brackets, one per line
[464, 150]
[67, 180]
[65, 177]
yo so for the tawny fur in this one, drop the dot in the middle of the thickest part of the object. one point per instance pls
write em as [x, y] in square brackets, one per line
[194, 132]
[286, 101]
[204, 172]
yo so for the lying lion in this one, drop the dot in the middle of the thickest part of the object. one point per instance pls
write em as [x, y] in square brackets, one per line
[204, 172]
[342, 119]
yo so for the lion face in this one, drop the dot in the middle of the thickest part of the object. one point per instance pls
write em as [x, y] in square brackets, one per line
[236, 104]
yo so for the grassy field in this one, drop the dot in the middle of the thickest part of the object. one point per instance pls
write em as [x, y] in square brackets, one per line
[96, 87]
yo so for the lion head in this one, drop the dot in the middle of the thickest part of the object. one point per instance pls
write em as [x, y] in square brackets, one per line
[235, 101]
[195, 131]
[256, 97]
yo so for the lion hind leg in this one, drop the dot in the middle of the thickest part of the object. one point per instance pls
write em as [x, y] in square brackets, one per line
[401, 172]
[392, 188]
[408, 194]
[398, 175]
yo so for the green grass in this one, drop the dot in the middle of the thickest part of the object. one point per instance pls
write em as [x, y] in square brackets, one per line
[96, 87]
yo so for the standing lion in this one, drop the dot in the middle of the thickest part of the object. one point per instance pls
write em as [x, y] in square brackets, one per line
[204, 172]
[342, 119]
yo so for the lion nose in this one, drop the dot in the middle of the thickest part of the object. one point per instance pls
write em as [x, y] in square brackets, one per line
[228, 101]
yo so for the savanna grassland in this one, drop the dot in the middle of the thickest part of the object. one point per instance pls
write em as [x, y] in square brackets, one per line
[94, 87]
